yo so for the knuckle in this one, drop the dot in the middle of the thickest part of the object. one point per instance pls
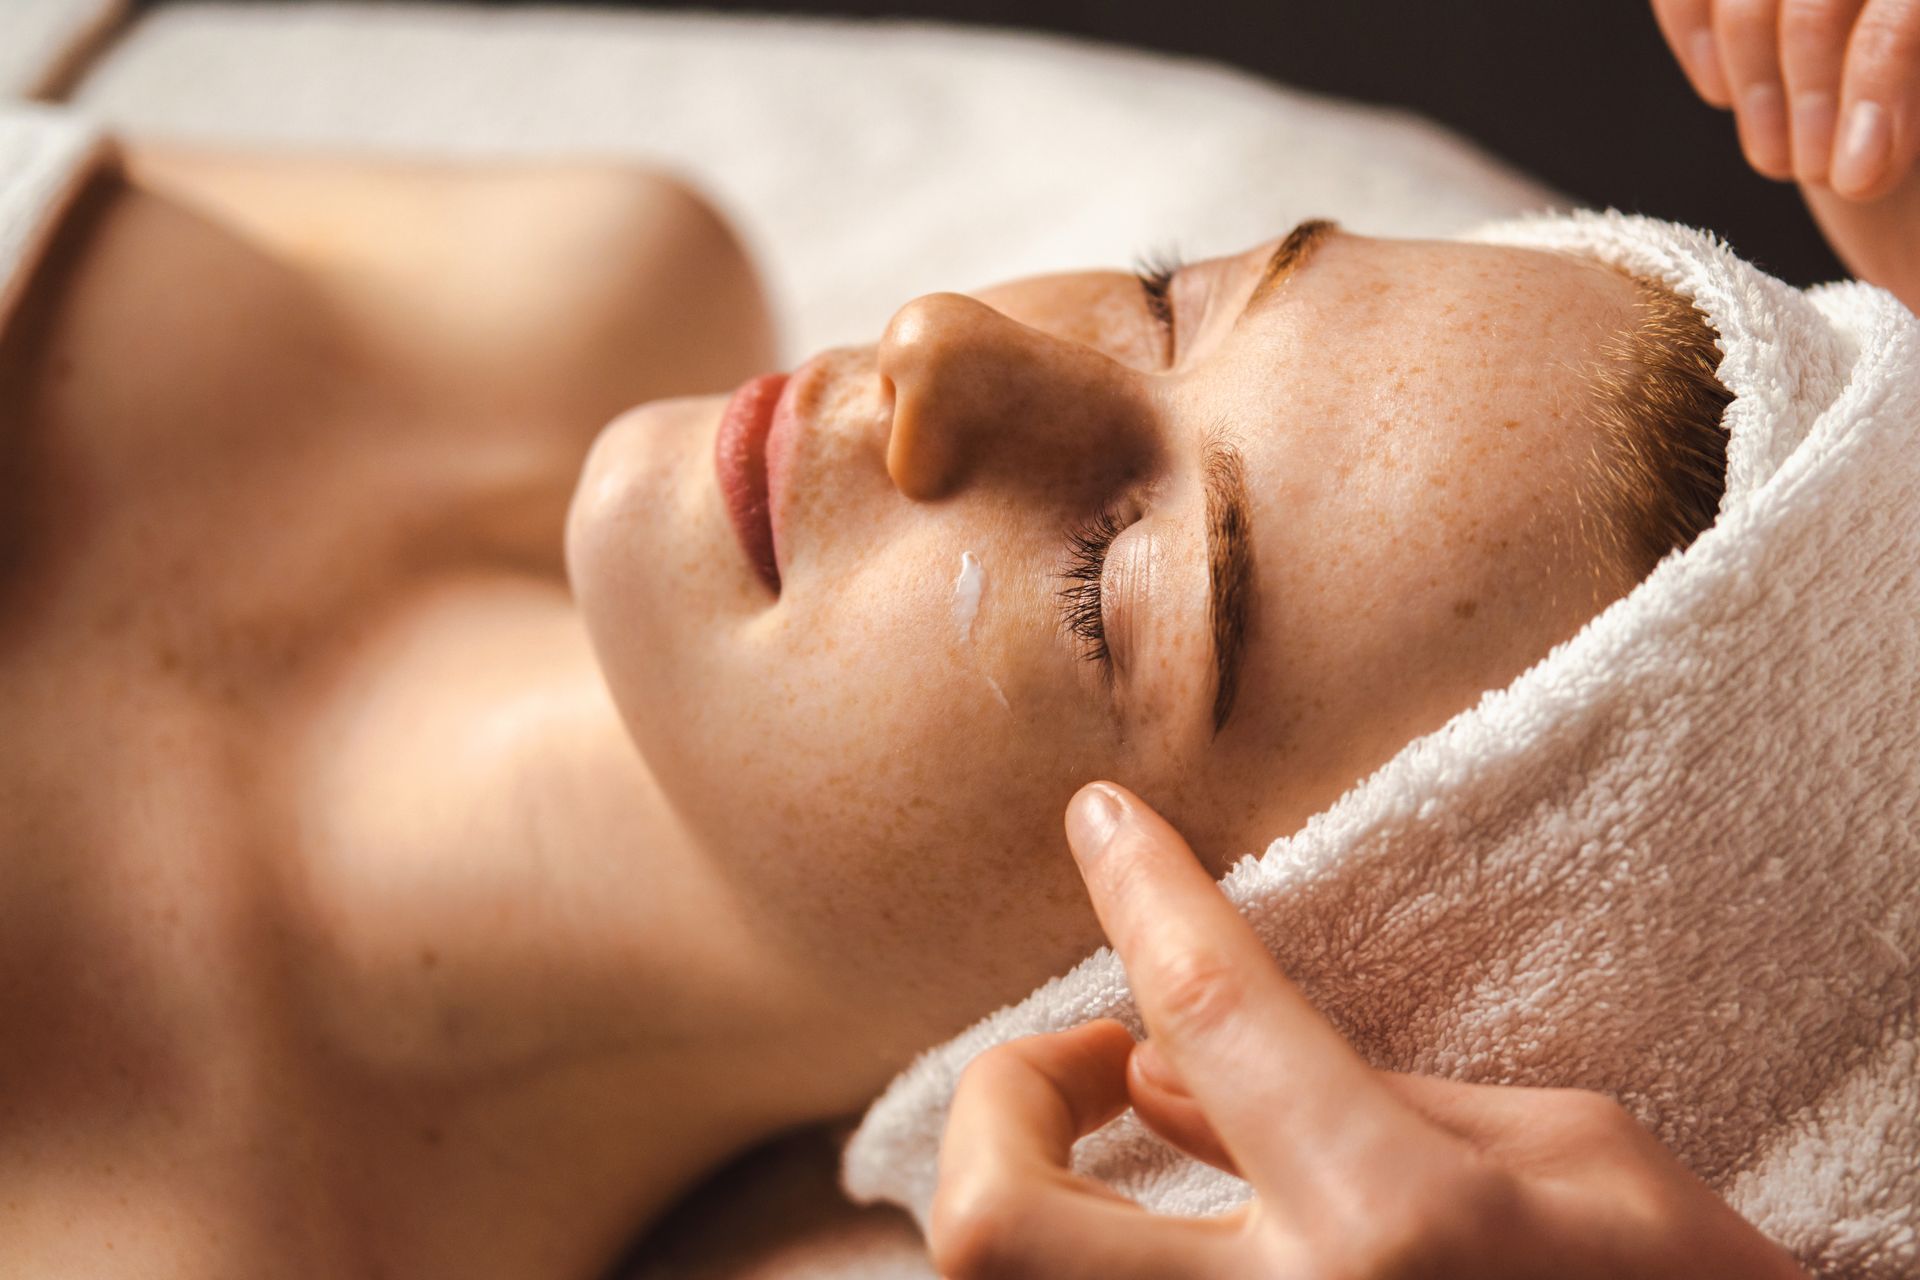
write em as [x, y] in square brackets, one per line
[1441, 1224]
[996, 1070]
[1815, 22]
[1594, 1117]
[969, 1228]
[1745, 18]
[1199, 993]
[980, 1075]
[1886, 44]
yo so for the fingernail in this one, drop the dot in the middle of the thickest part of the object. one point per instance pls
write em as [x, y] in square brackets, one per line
[1092, 819]
[1763, 129]
[1814, 115]
[1156, 1071]
[1706, 62]
[1864, 140]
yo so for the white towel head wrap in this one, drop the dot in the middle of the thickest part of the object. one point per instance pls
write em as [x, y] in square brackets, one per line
[1676, 861]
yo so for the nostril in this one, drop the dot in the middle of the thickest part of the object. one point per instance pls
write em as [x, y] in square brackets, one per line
[918, 460]
[885, 399]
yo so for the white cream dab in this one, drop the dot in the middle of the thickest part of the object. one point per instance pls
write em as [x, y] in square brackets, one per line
[967, 590]
[999, 696]
[966, 595]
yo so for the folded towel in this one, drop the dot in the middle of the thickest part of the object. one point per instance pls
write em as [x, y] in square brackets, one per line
[1677, 861]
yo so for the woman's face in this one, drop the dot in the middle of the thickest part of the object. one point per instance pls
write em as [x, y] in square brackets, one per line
[1233, 555]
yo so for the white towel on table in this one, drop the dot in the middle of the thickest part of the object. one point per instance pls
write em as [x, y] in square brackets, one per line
[1677, 861]
[864, 162]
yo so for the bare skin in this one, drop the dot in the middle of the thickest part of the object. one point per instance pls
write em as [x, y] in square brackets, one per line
[343, 921]
[430, 849]
[263, 449]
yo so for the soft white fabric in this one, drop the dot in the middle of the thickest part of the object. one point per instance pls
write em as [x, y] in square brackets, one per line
[39, 40]
[1676, 861]
[45, 154]
[864, 162]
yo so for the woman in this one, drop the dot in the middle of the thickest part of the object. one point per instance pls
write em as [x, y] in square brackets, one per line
[386, 893]
[371, 926]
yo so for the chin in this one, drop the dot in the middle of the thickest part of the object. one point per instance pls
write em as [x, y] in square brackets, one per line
[659, 578]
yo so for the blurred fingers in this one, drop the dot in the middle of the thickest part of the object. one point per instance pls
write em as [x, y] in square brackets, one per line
[1688, 28]
[1813, 49]
[1876, 141]
[1748, 34]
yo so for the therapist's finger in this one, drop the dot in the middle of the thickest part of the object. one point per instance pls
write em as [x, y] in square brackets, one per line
[1688, 27]
[1879, 134]
[1008, 1206]
[1748, 33]
[1292, 1102]
[1813, 50]
[1164, 1106]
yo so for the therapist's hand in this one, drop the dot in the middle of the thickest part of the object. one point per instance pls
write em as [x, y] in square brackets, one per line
[1825, 92]
[1356, 1172]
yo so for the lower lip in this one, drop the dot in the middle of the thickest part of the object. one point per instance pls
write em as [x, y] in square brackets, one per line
[740, 461]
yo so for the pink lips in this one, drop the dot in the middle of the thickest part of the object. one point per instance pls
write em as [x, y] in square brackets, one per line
[740, 460]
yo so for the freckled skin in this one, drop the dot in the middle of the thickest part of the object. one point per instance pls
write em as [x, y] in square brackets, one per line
[351, 885]
[1410, 418]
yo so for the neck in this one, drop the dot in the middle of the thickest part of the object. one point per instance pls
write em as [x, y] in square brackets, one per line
[609, 1028]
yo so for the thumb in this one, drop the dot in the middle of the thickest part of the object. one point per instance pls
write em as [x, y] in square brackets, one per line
[1161, 1100]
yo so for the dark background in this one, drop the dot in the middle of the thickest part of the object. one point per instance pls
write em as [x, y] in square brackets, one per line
[1581, 93]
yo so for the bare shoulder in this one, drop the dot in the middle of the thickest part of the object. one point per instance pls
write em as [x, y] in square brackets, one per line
[616, 277]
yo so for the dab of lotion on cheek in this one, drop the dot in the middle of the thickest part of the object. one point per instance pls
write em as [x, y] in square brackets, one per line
[967, 590]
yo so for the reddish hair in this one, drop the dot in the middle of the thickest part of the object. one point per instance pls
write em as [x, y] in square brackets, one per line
[1660, 466]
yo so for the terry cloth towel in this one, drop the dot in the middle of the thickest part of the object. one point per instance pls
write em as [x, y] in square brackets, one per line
[1676, 861]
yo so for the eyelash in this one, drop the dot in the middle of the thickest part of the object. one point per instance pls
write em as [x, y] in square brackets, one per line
[1087, 544]
[1080, 597]
[1155, 272]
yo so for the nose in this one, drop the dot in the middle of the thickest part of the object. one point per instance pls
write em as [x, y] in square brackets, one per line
[978, 394]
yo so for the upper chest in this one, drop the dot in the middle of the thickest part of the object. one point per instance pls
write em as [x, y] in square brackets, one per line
[211, 496]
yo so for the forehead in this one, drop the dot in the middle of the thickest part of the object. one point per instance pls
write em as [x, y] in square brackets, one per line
[1420, 341]
[1416, 434]
[1471, 296]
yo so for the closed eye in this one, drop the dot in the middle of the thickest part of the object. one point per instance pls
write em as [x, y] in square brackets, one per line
[1155, 272]
[1079, 596]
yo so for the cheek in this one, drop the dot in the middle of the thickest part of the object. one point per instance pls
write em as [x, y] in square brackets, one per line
[891, 817]
[896, 709]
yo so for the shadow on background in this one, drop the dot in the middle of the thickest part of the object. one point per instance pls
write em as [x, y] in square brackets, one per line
[1581, 93]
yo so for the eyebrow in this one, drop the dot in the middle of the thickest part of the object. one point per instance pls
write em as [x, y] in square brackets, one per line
[1229, 568]
[1229, 518]
[1295, 250]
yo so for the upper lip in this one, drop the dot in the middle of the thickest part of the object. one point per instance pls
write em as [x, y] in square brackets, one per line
[783, 437]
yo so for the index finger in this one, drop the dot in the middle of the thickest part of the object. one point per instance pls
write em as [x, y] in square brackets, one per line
[1282, 1088]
